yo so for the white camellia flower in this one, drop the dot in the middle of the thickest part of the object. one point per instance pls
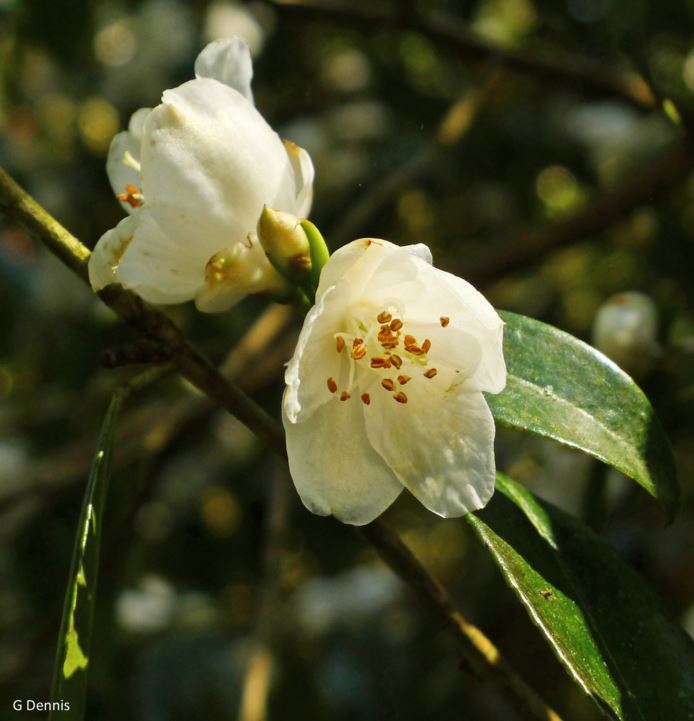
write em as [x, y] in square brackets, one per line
[385, 388]
[194, 174]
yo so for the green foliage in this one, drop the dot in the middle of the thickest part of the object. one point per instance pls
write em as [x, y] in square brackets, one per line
[602, 622]
[563, 389]
[74, 640]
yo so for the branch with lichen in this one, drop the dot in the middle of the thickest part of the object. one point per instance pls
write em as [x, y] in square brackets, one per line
[480, 654]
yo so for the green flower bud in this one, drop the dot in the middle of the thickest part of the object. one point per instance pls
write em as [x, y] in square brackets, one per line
[285, 244]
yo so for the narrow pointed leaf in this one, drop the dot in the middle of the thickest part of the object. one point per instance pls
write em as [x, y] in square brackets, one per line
[563, 389]
[603, 623]
[73, 654]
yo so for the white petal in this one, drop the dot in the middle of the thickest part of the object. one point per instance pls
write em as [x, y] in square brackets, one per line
[359, 260]
[108, 251]
[137, 123]
[491, 372]
[335, 470]
[229, 62]
[209, 164]
[442, 294]
[119, 170]
[155, 268]
[302, 166]
[443, 452]
[315, 358]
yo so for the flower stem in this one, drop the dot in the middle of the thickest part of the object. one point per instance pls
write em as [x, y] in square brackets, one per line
[482, 656]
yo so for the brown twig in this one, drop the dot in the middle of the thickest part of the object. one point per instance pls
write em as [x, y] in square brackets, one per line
[524, 248]
[562, 70]
[484, 658]
[152, 323]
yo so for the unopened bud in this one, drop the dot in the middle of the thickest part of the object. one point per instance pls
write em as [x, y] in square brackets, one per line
[285, 243]
[625, 330]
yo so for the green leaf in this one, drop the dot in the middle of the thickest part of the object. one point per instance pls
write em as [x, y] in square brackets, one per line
[603, 623]
[72, 656]
[564, 389]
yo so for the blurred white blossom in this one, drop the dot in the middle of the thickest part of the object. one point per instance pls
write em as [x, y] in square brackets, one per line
[625, 330]
[322, 603]
[148, 608]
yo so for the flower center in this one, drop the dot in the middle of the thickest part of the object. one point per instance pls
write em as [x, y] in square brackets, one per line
[382, 346]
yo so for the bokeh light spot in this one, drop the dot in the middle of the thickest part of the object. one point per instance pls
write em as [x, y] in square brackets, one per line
[98, 123]
[115, 44]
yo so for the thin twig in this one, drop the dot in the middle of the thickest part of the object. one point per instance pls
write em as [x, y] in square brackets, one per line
[563, 70]
[641, 187]
[485, 660]
[152, 323]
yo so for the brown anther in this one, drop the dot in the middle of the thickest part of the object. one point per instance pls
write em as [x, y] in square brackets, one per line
[400, 397]
[365, 399]
[389, 362]
[358, 352]
[426, 345]
[396, 324]
[344, 396]
[132, 196]
[430, 373]
[357, 341]
[388, 384]
[414, 349]
[404, 379]
[384, 317]
[377, 362]
[410, 340]
[339, 343]
[396, 360]
[332, 385]
[444, 321]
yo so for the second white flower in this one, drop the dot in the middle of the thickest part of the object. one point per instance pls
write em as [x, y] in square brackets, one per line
[194, 174]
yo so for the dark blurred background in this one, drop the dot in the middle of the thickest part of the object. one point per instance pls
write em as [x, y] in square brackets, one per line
[566, 194]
